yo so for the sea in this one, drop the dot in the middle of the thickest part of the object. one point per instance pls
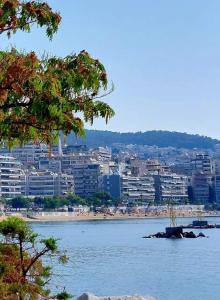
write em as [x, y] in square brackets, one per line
[110, 257]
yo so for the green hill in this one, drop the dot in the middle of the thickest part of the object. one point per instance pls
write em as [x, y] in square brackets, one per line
[95, 138]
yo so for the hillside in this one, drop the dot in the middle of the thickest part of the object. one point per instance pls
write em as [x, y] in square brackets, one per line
[95, 138]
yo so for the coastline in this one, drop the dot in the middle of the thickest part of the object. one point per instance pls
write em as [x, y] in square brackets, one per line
[101, 216]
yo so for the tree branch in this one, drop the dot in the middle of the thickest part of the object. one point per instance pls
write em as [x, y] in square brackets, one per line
[12, 27]
[14, 105]
[35, 258]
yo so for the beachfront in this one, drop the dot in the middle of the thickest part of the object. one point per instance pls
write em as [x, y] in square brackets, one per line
[71, 216]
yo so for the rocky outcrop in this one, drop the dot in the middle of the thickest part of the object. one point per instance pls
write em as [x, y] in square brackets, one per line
[88, 296]
[188, 235]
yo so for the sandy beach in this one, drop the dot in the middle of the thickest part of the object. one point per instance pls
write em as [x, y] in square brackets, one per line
[101, 216]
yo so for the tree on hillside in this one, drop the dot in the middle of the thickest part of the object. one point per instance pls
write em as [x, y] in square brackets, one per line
[23, 275]
[41, 96]
[97, 138]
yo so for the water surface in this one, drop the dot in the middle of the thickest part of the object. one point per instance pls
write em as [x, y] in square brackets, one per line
[110, 258]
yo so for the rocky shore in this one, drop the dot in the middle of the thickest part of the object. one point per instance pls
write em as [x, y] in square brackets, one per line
[89, 296]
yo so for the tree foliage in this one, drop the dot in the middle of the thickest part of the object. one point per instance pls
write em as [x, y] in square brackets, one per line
[41, 96]
[20, 202]
[56, 202]
[100, 199]
[20, 15]
[23, 276]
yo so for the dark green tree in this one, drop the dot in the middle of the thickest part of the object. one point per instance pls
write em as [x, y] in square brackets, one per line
[20, 202]
[75, 200]
[23, 275]
[39, 202]
[52, 203]
[100, 199]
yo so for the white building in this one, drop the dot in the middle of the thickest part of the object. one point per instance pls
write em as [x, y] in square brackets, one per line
[102, 154]
[48, 184]
[70, 160]
[11, 177]
[138, 190]
[171, 187]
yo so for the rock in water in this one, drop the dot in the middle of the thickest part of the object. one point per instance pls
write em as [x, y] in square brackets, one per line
[88, 296]
[201, 234]
[190, 235]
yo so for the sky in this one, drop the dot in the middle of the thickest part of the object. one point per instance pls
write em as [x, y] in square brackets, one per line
[163, 57]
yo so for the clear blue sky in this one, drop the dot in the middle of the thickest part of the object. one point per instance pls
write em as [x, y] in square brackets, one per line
[163, 57]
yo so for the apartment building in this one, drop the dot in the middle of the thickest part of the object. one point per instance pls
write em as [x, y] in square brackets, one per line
[102, 154]
[74, 149]
[182, 166]
[216, 188]
[28, 154]
[140, 167]
[202, 185]
[11, 177]
[50, 164]
[202, 163]
[111, 184]
[138, 190]
[48, 184]
[85, 171]
[70, 160]
[86, 178]
[170, 187]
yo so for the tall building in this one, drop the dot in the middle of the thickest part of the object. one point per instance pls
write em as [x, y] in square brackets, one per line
[182, 166]
[70, 160]
[86, 178]
[202, 163]
[216, 188]
[138, 190]
[85, 170]
[102, 154]
[203, 170]
[70, 149]
[28, 154]
[201, 187]
[170, 187]
[49, 164]
[48, 184]
[217, 166]
[141, 168]
[11, 177]
[112, 185]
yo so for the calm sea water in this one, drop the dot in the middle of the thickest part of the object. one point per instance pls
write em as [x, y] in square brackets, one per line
[111, 258]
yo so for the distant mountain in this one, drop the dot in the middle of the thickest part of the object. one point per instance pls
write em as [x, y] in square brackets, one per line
[95, 138]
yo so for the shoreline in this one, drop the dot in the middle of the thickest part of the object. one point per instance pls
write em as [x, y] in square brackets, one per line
[99, 217]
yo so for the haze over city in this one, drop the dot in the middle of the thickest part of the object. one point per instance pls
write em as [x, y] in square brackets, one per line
[162, 56]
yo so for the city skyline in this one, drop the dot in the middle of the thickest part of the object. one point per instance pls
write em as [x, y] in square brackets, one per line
[164, 64]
